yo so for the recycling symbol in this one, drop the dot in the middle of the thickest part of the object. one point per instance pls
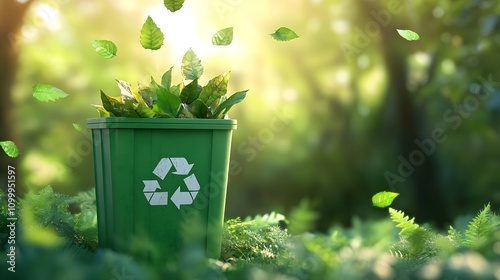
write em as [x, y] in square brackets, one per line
[180, 167]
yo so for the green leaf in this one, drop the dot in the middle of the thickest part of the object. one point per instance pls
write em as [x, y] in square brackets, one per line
[102, 112]
[9, 148]
[481, 228]
[191, 66]
[78, 127]
[166, 79]
[47, 93]
[143, 110]
[151, 36]
[191, 92]
[168, 104]
[214, 90]
[408, 35]
[407, 225]
[175, 90]
[105, 48]
[284, 34]
[383, 199]
[223, 37]
[173, 5]
[111, 104]
[225, 106]
[125, 90]
[199, 109]
[148, 93]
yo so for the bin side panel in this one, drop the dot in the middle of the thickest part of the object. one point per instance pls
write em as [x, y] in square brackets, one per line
[221, 148]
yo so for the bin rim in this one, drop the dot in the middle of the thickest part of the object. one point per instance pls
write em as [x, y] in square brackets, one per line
[160, 123]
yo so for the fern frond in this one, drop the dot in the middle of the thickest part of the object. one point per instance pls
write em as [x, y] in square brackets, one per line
[407, 225]
[481, 228]
[456, 237]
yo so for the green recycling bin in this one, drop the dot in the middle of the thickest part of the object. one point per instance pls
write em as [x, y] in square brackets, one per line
[157, 180]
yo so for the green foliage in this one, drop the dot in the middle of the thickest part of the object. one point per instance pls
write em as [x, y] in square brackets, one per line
[9, 148]
[384, 199]
[223, 37]
[51, 210]
[151, 36]
[259, 248]
[481, 230]
[408, 35]
[105, 48]
[407, 225]
[47, 93]
[179, 101]
[284, 34]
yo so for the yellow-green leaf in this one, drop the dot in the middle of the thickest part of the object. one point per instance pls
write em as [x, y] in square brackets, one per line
[105, 48]
[173, 5]
[284, 34]
[47, 93]
[151, 36]
[408, 35]
[191, 66]
[384, 199]
[223, 37]
[9, 148]
[78, 127]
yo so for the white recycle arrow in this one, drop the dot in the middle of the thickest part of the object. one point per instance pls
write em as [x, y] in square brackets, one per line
[185, 198]
[182, 167]
[181, 198]
[154, 198]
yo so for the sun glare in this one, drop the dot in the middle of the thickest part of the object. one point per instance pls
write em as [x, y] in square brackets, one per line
[181, 32]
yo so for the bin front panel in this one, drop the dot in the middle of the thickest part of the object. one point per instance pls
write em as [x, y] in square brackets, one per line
[161, 188]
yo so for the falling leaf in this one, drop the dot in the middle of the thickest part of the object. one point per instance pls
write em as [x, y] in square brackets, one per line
[105, 48]
[78, 127]
[408, 35]
[284, 34]
[223, 37]
[47, 93]
[9, 148]
[151, 36]
[383, 199]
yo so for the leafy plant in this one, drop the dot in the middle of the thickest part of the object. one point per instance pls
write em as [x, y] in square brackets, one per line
[164, 100]
[187, 99]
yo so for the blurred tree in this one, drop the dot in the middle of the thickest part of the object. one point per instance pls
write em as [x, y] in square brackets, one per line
[11, 20]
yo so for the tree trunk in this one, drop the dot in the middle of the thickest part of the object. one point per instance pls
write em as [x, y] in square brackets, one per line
[429, 204]
[11, 20]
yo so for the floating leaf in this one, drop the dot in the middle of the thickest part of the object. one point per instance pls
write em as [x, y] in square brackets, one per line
[173, 5]
[223, 37]
[9, 148]
[408, 35]
[284, 34]
[105, 48]
[78, 127]
[151, 36]
[383, 199]
[47, 93]
[191, 66]
[225, 106]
